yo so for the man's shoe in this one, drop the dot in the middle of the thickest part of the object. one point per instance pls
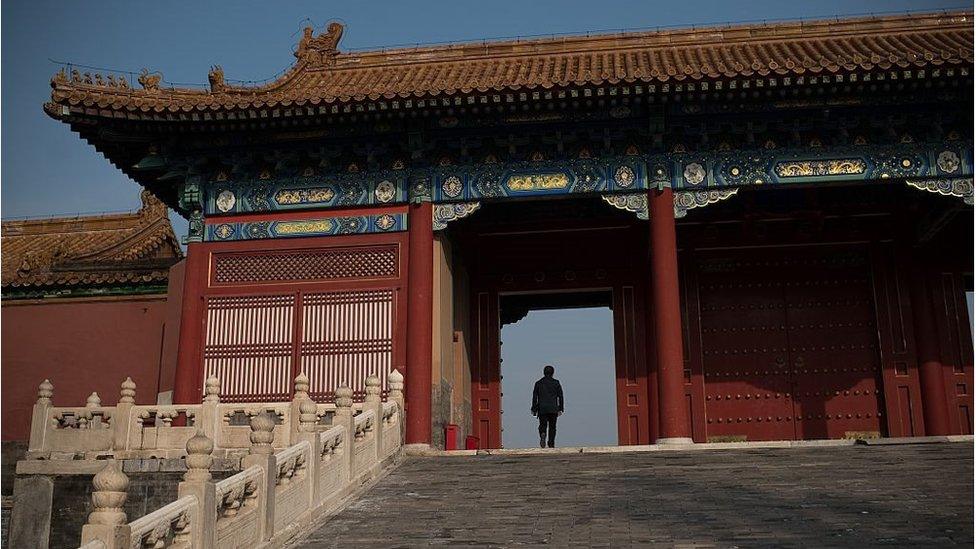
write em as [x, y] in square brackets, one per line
[542, 443]
[552, 444]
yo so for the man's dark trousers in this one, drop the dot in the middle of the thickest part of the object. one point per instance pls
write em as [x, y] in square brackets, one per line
[548, 422]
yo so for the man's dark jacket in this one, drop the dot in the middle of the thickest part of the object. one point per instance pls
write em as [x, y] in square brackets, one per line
[547, 396]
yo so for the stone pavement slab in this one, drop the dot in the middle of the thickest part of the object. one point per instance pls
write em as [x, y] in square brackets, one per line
[850, 496]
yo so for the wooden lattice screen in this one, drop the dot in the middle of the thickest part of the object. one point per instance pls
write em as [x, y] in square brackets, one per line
[346, 336]
[257, 344]
[249, 345]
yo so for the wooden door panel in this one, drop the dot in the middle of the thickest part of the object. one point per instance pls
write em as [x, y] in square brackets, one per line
[788, 344]
[896, 344]
[744, 351]
[486, 371]
[833, 346]
[633, 419]
[956, 348]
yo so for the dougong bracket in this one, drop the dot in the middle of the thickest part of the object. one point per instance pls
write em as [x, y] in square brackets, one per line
[191, 202]
[446, 213]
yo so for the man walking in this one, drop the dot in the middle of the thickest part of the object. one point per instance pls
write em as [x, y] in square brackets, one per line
[547, 403]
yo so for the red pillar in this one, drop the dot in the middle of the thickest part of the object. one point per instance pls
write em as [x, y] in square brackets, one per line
[935, 408]
[675, 423]
[420, 285]
[188, 385]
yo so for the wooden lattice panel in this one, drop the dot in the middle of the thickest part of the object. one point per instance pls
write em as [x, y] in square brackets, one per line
[306, 265]
[249, 345]
[346, 336]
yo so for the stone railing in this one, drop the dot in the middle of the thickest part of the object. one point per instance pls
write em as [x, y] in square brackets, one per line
[131, 431]
[278, 493]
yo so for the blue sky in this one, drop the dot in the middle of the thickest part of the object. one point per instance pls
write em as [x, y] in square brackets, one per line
[47, 170]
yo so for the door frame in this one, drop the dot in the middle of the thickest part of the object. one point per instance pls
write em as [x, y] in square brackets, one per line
[633, 386]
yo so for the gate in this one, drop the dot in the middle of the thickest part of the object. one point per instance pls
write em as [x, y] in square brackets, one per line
[547, 261]
[790, 346]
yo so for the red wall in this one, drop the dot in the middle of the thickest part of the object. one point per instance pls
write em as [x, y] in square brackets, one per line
[171, 338]
[83, 345]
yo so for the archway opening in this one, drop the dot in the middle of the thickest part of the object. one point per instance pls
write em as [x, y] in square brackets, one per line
[574, 333]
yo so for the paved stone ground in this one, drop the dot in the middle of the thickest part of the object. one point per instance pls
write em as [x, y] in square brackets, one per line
[893, 496]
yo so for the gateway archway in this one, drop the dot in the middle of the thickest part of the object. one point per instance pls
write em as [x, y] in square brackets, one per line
[554, 250]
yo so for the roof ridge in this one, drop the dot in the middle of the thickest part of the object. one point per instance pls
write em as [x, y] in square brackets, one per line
[159, 229]
[582, 49]
[56, 225]
[150, 208]
[910, 20]
[323, 74]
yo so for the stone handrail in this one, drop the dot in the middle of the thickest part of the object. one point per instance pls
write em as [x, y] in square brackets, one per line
[239, 508]
[234, 490]
[169, 526]
[278, 494]
[131, 431]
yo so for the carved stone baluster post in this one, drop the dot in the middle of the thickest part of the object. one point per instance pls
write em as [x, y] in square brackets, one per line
[344, 417]
[89, 419]
[307, 420]
[39, 419]
[107, 522]
[262, 455]
[374, 402]
[198, 482]
[209, 419]
[395, 381]
[294, 409]
[123, 416]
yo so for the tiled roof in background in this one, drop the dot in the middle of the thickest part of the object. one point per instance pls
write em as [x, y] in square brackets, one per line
[324, 75]
[115, 249]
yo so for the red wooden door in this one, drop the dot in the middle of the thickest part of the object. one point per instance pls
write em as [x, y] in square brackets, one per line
[789, 345]
[486, 401]
[633, 416]
[745, 350]
[835, 365]
[955, 333]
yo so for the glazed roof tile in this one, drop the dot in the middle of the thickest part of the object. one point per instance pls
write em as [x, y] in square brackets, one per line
[323, 75]
[137, 247]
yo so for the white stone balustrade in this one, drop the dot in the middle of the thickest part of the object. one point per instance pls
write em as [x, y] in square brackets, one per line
[169, 526]
[131, 431]
[279, 493]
